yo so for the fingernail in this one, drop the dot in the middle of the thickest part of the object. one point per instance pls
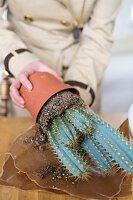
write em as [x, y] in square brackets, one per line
[29, 87]
[21, 106]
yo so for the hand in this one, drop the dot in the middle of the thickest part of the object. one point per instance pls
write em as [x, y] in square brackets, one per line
[22, 79]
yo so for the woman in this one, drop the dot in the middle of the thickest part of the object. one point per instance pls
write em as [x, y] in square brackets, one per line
[68, 39]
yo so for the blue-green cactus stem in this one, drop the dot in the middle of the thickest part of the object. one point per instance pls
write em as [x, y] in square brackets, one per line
[73, 163]
[97, 156]
[67, 134]
[110, 161]
[76, 121]
[75, 117]
[118, 154]
[114, 143]
[70, 127]
[64, 134]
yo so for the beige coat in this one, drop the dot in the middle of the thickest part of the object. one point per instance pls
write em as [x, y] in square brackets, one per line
[46, 27]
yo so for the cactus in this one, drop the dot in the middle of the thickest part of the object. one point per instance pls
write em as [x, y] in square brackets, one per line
[86, 145]
[111, 145]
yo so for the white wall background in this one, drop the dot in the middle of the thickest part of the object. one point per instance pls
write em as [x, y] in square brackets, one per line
[118, 79]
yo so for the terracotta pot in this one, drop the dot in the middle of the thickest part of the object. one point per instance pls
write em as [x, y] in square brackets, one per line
[45, 86]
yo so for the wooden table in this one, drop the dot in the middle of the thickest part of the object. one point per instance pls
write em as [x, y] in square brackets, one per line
[18, 125]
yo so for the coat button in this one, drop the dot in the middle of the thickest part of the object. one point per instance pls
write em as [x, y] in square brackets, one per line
[65, 23]
[65, 67]
[28, 18]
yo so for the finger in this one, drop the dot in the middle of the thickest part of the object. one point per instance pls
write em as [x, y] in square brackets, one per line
[15, 101]
[23, 78]
[14, 90]
[17, 97]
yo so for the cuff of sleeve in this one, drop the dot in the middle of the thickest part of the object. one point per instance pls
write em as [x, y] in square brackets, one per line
[19, 61]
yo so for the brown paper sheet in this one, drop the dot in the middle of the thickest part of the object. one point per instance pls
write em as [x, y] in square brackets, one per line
[24, 164]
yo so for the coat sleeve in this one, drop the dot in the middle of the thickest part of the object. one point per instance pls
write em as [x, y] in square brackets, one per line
[10, 42]
[92, 57]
